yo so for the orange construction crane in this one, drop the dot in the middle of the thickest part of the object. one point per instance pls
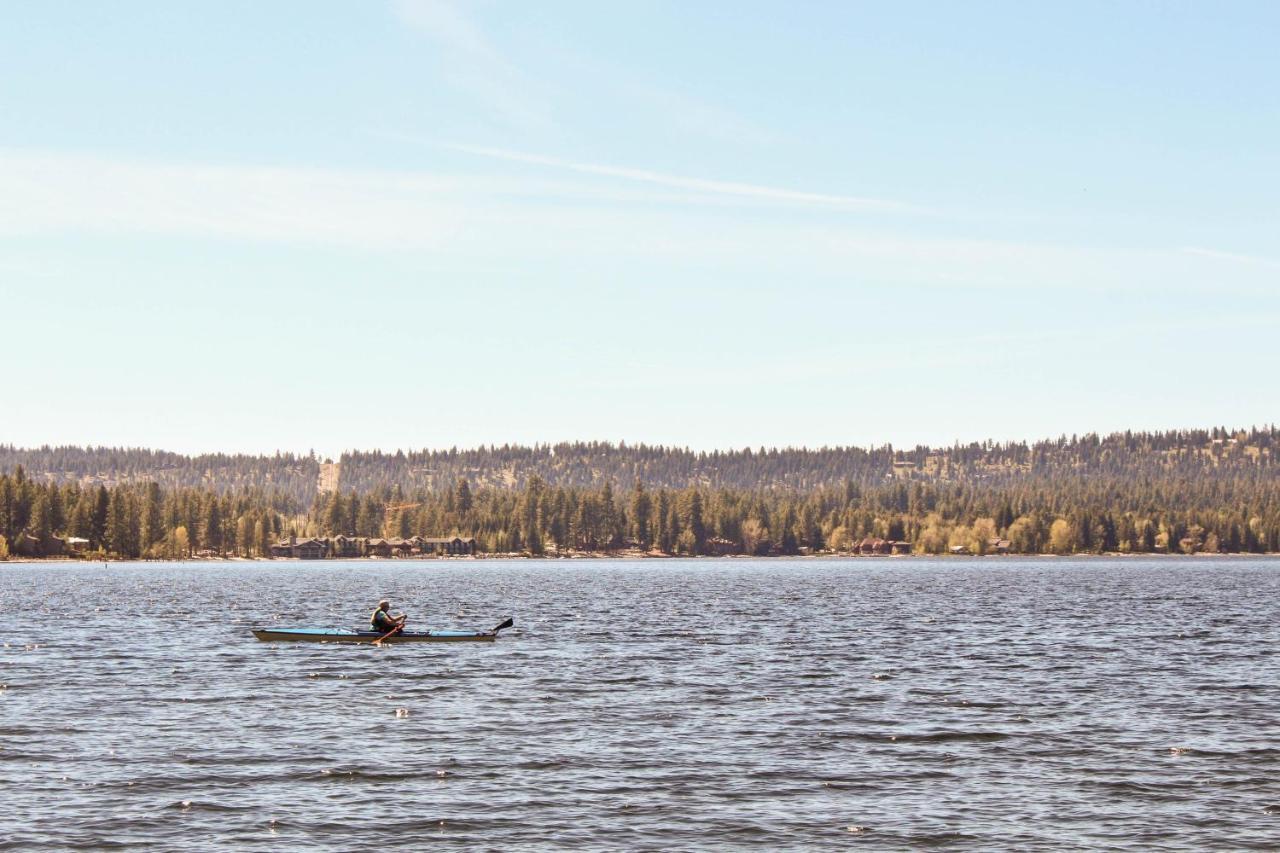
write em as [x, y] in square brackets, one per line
[386, 516]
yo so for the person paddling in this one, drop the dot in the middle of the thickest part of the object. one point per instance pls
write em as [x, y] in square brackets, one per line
[383, 622]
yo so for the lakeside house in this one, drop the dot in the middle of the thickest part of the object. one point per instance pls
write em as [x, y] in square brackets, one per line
[874, 546]
[339, 547]
[305, 549]
[454, 546]
[311, 549]
[345, 546]
[29, 545]
[995, 545]
[718, 546]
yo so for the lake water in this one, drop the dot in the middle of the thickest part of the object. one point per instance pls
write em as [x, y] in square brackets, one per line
[875, 704]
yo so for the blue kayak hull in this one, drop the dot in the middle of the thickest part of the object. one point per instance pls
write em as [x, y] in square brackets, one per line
[340, 635]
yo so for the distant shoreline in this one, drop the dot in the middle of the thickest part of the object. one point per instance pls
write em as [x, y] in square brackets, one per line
[642, 556]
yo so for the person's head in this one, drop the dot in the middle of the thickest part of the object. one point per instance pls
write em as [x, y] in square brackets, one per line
[384, 605]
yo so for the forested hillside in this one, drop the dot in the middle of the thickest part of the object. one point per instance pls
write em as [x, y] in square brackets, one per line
[1186, 492]
[285, 473]
[1214, 453]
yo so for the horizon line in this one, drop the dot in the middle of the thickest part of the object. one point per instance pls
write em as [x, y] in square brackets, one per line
[620, 443]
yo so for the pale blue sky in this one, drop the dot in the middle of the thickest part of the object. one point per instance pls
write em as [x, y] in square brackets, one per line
[250, 226]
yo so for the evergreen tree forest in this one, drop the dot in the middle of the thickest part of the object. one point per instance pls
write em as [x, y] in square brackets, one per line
[1210, 491]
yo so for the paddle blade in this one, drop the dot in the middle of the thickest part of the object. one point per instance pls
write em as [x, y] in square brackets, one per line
[507, 623]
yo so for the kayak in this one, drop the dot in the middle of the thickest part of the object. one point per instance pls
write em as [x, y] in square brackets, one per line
[343, 635]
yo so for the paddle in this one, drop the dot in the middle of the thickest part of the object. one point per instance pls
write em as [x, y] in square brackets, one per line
[399, 627]
[506, 623]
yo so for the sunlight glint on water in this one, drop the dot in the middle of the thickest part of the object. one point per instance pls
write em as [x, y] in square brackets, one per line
[1030, 704]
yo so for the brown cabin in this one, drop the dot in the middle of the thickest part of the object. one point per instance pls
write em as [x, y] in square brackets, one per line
[311, 549]
[306, 549]
[451, 546]
[401, 547]
[345, 546]
[875, 546]
[717, 546]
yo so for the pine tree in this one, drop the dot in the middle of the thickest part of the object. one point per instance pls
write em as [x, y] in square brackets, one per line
[671, 533]
[227, 514]
[244, 535]
[262, 529]
[57, 511]
[529, 526]
[463, 498]
[369, 522]
[610, 532]
[7, 501]
[1004, 517]
[694, 522]
[584, 523]
[123, 526]
[335, 521]
[352, 515]
[641, 511]
[41, 522]
[153, 525]
[81, 522]
[133, 527]
[211, 525]
[98, 521]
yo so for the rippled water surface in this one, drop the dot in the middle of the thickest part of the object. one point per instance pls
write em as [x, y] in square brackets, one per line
[874, 703]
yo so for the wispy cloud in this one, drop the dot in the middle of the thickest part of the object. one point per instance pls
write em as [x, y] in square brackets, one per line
[517, 220]
[446, 23]
[471, 61]
[526, 94]
[48, 192]
[1235, 257]
[695, 117]
[702, 185]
